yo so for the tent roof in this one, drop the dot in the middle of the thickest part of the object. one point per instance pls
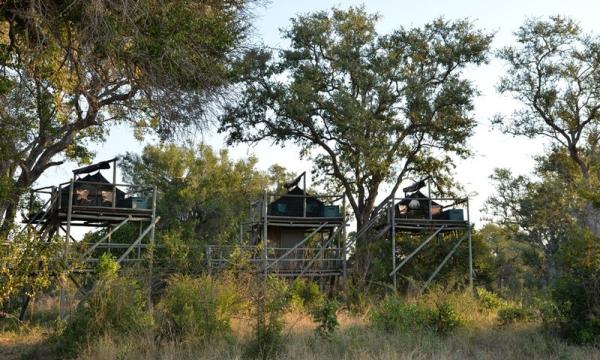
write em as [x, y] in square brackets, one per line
[97, 177]
[295, 191]
[416, 195]
[102, 165]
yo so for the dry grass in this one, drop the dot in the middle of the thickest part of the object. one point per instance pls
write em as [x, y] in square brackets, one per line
[15, 343]
[357, 340]
[480, 338]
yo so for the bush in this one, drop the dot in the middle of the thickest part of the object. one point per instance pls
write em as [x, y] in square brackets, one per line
[444, 319]
[575, 292]
[489, 300]
[269, 299]
[115, 306]
[305, 294]
[394, 314]
[326, 316]
[197, 308]
[511, 314]
[569, 315]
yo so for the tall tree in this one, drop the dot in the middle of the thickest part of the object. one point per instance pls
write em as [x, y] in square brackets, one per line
[203, 196]
[71, 69]
[554, 71]
[537, 213]
[371, 109]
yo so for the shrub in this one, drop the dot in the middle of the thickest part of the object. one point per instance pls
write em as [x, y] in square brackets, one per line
[569, 315]
[115, 306]
[575, 291]
[305, 294]
[197, 308]
[489, 300]
[394, 314]
[444, 319]
[326, 316]
[511, 314]
[269, 300]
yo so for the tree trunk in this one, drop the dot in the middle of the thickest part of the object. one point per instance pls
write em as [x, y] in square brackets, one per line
[8, 212]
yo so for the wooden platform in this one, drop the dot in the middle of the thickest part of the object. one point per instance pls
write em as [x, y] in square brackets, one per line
[91, 215]
[418, 225]
[304, 222]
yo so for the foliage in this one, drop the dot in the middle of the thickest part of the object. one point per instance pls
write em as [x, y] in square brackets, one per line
[371, 109]
[394, 314]
[197, 309]
[511, 314]
[537, 213]
[553, 72]
[269, 299]
[575, 297]
[203, 196]
[27, 266]
[115, 306]
[325, 314]
[554, 223]
[443, 319]
[489, 300]
[72, 70]
[454, 275]
[107, 267]
[515, 266]
[305, 294]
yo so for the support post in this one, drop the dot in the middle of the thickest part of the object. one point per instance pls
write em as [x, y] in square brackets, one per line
[429, 197]
[151, 252]
[264, 232]
[114, 190]
[393, 230]
[63, 293]
[437, 270]
[344, 238]
[304, 194]
[470, 247]
[417, 250]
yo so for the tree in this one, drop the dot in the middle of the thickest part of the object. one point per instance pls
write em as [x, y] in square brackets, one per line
[371, 109]
[516, 266]
[203, 196]
[71, 69]
[555, 73]
[538, 213]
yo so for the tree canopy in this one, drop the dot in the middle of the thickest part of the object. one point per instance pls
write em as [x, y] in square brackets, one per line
[554, 72]
[203, 196]
[370, 109]
[71, 69]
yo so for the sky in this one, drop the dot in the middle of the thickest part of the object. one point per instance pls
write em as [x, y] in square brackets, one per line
[492, 149]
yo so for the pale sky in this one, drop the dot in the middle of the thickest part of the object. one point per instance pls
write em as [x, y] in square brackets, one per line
[492, 149]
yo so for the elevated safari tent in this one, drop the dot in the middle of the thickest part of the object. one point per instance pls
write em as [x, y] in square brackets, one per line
[423, 217]
[90, 200]
[293, 234]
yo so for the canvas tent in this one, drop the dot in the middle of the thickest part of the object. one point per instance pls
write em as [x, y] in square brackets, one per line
[92, 190]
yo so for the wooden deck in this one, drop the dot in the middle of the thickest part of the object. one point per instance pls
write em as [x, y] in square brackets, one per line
[89, 215]
[418, 225]
[305, 222]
